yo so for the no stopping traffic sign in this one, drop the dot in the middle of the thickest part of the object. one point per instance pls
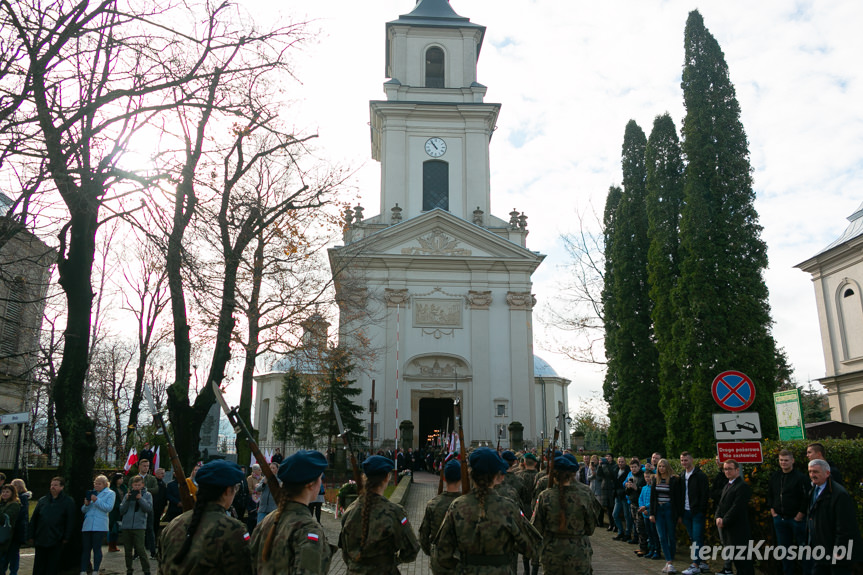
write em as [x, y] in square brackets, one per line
[733, 391]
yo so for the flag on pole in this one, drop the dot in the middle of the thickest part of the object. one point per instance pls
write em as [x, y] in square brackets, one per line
[131, 460]
[268, 455]
[252, 460]
[156, 458]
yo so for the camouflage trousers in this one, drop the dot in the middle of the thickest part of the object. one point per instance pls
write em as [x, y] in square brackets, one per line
[566, 556]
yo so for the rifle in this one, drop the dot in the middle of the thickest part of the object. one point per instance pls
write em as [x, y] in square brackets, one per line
[358, 478]
[240, 428]
[185, 495]
[499, 435]
[551, 458]
[465, 479]
[442, 462]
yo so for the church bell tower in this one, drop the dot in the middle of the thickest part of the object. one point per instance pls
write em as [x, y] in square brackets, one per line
[432, 133]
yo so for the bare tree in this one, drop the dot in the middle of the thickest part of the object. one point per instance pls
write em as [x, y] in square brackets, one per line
[79, 83]
[147, 278]
[581, 296]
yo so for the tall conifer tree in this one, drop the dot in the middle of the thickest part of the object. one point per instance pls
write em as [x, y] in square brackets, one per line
[664, 202]
[633, 352]
[609, 315]
[723, 316]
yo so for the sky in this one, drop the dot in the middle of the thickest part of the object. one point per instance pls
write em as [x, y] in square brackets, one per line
[570, 75]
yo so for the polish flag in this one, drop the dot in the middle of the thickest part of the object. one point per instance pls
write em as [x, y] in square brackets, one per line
[156, 459]
[131, 460]
[252, 460]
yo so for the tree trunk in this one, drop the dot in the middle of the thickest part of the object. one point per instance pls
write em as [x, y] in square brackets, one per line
[253, 316]
[76, 427]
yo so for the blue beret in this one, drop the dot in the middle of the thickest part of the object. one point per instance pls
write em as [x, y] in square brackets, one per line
[558, 453]
[302, 467]
[572, 458]
[486, 460]
[508, 455]
[565, 464]
[220, 473]
[452, 471]
[377, 465]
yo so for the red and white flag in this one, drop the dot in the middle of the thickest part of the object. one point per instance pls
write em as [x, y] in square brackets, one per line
[252, 461]
[131, 460]
[156, 459]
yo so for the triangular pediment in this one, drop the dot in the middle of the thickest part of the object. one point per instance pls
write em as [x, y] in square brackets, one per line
[439, 234]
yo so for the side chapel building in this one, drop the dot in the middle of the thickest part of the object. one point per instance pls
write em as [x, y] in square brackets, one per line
[837, 273]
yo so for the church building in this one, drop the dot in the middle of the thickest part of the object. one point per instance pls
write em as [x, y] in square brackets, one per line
[434, 287]
[837, 272]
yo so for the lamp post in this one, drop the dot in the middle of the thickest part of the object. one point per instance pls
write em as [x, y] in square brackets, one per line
[569, 431]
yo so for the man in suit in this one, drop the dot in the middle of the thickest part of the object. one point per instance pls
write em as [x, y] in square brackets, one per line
[832, 521]
[732, 515]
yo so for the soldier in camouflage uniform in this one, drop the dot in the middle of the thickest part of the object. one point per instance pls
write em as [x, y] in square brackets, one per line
[206, 540]
[436, 510]
[528, 479]
[290, 540]
[565, 516]
[376, 536]
[483, 531]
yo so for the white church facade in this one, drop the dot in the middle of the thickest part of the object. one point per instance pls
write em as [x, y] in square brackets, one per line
[837, 273]
[435, 287]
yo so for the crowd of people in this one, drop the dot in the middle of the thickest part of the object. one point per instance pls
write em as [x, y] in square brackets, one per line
[546, 513]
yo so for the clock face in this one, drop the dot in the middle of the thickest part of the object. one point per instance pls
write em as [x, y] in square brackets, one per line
[435, 147]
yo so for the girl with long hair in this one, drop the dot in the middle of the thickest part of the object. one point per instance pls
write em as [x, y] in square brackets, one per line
[565, 515]
[663, 511]
[290, 540]
[376, 536]
[206, 540]
[483, 528]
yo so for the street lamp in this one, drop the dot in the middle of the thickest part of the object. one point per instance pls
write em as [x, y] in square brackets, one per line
[7, 431]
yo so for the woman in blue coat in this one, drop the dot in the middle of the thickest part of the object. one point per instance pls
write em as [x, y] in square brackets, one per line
[97, 504]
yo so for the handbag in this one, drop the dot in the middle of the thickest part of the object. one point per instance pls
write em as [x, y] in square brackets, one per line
[5, 530]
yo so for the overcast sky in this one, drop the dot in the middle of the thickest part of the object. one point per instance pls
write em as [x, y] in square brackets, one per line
[571, 74]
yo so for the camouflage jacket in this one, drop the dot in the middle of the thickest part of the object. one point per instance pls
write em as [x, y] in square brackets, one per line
[470, 542]
[390, 539]
[528, 480]
[220, 545]
[435, 512]
[568, 550]
[299, 546]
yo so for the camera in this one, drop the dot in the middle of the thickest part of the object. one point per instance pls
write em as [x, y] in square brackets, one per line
[90, 493]
[134, 493]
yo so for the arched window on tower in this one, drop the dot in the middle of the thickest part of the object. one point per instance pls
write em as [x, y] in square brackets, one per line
[850, 307]
[435, 185]
[434, 68]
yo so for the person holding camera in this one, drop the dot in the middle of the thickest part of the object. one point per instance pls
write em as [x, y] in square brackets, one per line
[98, 503]
[134, 510]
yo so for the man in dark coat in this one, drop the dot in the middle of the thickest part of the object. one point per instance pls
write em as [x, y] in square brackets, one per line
[606, 474]
[832, 522]
[787, 501]
[51, 528]
[732, 515]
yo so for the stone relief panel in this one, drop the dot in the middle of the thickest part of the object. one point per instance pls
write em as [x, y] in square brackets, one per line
[396, 297]
[436, 243]
[437, 367]
[437, 313]
[479, 299]
[520, 300]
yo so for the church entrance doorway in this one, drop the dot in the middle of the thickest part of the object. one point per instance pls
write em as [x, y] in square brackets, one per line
[434, 413]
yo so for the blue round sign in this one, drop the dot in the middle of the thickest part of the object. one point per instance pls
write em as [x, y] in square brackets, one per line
[733, 391]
